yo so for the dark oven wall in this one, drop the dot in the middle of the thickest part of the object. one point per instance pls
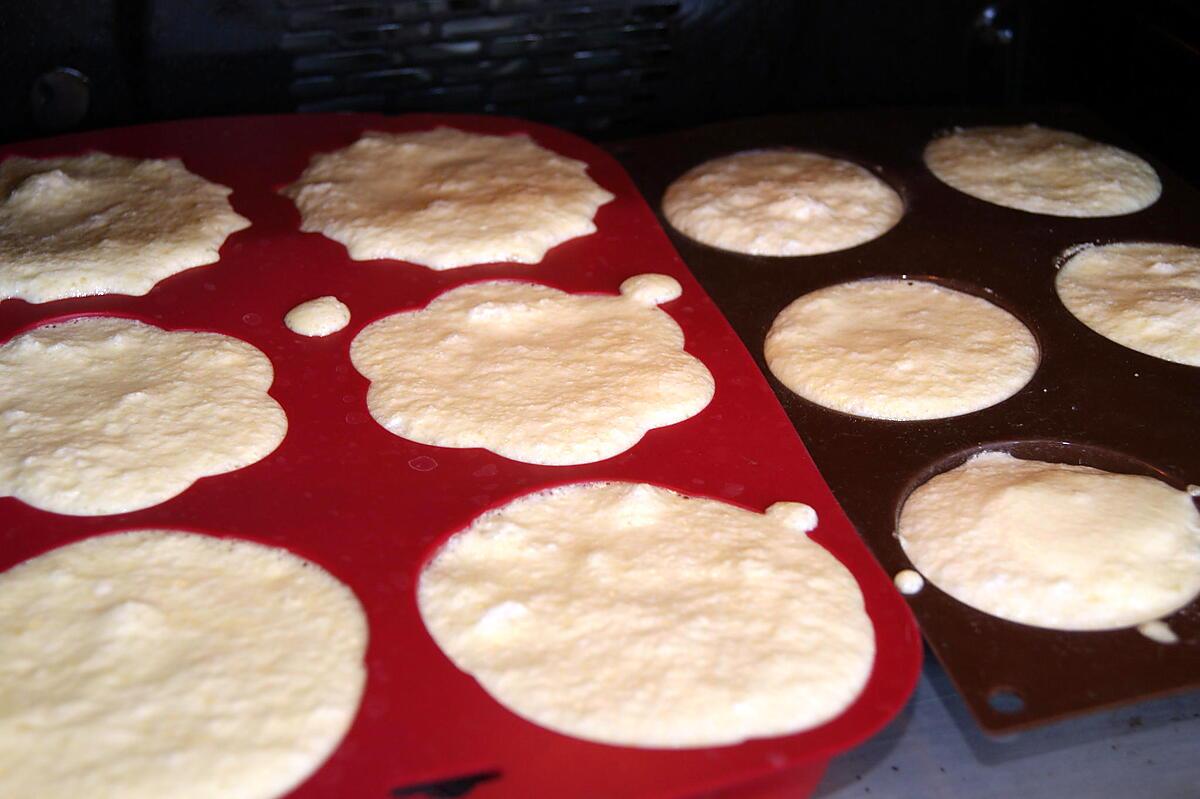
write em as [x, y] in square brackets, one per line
[605, 68]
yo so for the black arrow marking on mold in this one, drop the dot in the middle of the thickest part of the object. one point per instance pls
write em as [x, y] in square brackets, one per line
[448, 788]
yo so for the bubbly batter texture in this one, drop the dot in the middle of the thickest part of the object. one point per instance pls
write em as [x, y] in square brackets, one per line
[320, 317]
[533, 373]
[1044, 171]
[158, 663]
[104, 415]
[103, 224]
[1144, 296]
[628, 614]
[1055, 545]
[446, 198]
[900, 350]
[781, 202]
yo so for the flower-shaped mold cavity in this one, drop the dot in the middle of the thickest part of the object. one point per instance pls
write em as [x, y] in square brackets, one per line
[781, 202]
[1043, 171]
[900, 350]
[103, 224]
[107, 415]
[162, 663]
[629, 614]
[533, 373]
[447, 198]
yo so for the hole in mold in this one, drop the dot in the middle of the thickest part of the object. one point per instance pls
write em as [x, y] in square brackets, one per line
[1006, 701]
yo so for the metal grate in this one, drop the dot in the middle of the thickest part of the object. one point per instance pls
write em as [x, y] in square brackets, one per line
[594, 67]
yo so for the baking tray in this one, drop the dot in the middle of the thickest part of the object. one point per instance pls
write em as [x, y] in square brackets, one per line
[1092, 401]
[369, 506]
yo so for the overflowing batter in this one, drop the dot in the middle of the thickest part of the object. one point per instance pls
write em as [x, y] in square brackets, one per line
[533, 373]
[446, 198]
[1055, 545]
[159, 663]
[102, 224]
[1044, 171]
[628, 614]
[781, 202]
[1142, 295]
[900, 349]
[105, 415]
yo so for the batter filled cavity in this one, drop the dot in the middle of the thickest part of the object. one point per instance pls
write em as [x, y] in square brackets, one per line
[533, 373]
[160, 663]
[1044, 171]
[446, 198]
[102, 224]
[781, 202]
[107, 415]
[1144, 296]
[629, 614]
[900, 350]
[1055, 545]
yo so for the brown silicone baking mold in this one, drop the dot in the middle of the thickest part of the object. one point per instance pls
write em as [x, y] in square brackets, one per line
[1091, 401]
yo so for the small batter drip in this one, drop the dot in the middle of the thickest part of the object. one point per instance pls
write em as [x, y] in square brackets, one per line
[1159, 631]
[909, 582]
[320, 317]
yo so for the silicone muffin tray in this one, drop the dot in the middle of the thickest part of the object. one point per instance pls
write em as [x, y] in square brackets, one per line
[1092, 401]
[371, 507]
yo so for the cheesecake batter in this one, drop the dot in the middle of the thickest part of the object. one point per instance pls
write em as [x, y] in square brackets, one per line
[103, 224]
[1055, 545]
[533, 373]
[900, 350]
[159, 663]
[628, 614]
[781, 202]
[446, 198]
[1141, 295]
[104, 415]
[1043, 171]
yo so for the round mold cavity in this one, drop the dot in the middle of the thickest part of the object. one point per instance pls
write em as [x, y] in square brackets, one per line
[953, 284]
[1049, 451]
[886, 175]
[1070, 253]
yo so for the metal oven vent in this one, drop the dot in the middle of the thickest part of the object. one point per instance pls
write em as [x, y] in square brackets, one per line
[591, 66]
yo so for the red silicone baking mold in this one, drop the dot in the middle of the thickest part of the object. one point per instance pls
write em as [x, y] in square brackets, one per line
[369, 506]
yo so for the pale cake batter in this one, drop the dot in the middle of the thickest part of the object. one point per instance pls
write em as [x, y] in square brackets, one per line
[1043, 171]
[628, 614]
[908, 582]
[533, 373]
[323, 316]
[104, 415]
[1055, 545]
[900, 350]
[447, 198]
[1159, 632]
[167, 664]
[103, 224]
[781, 202]
[1141, 295]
